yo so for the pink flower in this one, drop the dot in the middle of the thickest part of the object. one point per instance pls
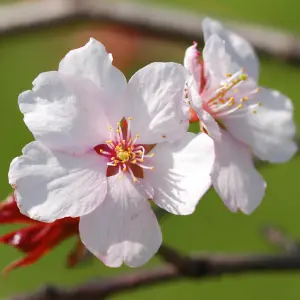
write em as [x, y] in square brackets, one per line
[35, 239]
[243, 119]
[104, 147]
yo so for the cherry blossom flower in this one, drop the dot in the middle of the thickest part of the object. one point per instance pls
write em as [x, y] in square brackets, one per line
[104, 148]
[37, 238]
[242, 118]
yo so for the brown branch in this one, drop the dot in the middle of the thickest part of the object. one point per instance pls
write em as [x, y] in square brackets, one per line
[197, 267]
[161, 22]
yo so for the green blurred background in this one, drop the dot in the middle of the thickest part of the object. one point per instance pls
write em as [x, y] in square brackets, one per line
[212, 228]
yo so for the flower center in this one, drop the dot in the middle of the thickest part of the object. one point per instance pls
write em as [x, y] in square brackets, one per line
[232, 96]
[124, 153]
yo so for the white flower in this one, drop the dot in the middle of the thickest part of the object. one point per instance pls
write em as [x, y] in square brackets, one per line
[93, 157]
[242, 118]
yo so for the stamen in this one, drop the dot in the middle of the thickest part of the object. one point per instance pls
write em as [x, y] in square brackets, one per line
[146, 167]
[104, 152]
[136, 137]
[123, 152]
[120, 132]
[129, 128]
[132, 175]
[149, 155]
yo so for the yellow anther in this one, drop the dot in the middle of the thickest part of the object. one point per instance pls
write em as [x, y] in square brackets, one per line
[123, 141]
[258, 89]
[254, 111]
[152, 154]
[137, 135]
[134, 179]
[129, 118]
[232, 100]
[124, 168]
[101, 151]
[109, 142]
[235, 90]
[113, 158]
[243, 76]
[240, 106]
[152, 169]
[259, 104]
[118, 130]
[110, 128]
[123, 155]
[133, 161]
[228, 74]
[244, 99]
[141, 160]
[118, 124]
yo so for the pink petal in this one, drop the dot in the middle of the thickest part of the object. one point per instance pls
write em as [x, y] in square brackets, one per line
[270, 131]
[51, 185]
[64, 113]
[123, 228]
[154, 101]
[234, 176]
[182, 172]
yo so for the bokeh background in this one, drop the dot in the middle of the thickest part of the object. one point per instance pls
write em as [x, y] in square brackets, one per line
[212, 228]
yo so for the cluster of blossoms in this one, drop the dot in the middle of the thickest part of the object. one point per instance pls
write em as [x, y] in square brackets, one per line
[105, 149]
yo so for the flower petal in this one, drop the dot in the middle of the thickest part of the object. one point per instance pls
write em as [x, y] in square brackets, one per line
[206, 120]
[217, 61]
[51, 185]
[182, 172]
[269, 132]
[123, 227]
[64, 114]
[92, 62]
[241, 51]
[234, 176]
[192, 64]
[154, 101]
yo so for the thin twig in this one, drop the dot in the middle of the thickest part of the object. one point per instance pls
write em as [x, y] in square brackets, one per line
[166, 23]
[276, 236]
[197, 267]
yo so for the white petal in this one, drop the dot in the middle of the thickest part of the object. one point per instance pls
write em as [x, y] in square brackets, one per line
[123, 227]
[241, 50]
[64, 114]
[269, 132]
[52, 185]
[217, 61]
[210, 124]
[92, 62]
[182, 172]
[192, 63]
[206, 119]
[234, 177]
[154, 101]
